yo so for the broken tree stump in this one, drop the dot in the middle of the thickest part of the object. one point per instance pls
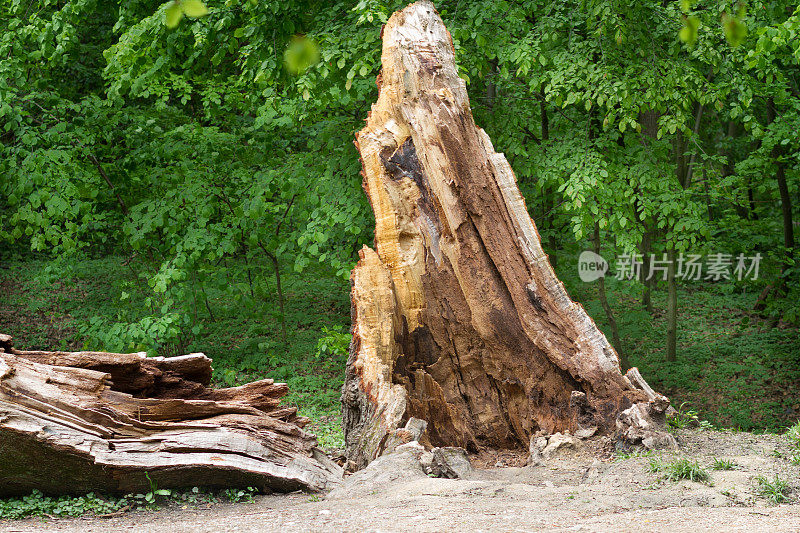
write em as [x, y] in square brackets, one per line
[458, 317]
[74, 422]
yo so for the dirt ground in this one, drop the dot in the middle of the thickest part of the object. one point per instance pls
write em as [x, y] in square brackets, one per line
[571, 493]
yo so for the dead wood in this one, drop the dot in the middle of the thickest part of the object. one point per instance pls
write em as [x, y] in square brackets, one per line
[82, 421]
[458, 317]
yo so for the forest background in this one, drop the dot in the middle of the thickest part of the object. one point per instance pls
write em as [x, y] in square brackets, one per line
[181, 177]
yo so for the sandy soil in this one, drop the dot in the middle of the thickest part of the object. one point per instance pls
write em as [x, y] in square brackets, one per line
[572, 493]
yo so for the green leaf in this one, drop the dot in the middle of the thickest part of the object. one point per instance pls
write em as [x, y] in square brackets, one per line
[194, 8]
[735, 30]
[688, 33]
[172, 15]
[300, 55]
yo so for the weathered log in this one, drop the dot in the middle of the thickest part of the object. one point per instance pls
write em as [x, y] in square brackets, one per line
[458, 317]
[81, 421]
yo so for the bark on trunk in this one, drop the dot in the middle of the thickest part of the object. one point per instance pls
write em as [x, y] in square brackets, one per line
[82, 421]
[786, 201]
[601, 295]
[458, 318]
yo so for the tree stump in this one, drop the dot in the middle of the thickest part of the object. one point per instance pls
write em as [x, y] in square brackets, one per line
[73, 422]
[458, 317]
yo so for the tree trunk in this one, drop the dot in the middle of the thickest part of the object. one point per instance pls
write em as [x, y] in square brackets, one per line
[74, 422]
[786, 201]
[458, 317]
[601, 294]
[672, 308]
[648, 281]
[649, 121]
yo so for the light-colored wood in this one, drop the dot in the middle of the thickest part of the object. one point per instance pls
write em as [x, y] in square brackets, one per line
[458, 317]
[66, 426]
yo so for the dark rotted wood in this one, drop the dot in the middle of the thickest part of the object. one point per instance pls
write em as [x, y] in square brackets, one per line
[458, 317]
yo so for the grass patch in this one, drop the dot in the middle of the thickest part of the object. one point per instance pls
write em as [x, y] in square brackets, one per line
[773, 490]
[793, 435]
[723, 464]
[622, 456]
[680, 469]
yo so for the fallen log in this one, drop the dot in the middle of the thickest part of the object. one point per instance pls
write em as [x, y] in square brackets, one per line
[458, 317]
[74, 422]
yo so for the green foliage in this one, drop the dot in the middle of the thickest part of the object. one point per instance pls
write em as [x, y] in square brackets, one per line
[679, 469]
[36, 504]
[684, 417]
[327, 426]
[240, 495]
[301, 54]
[793, 435]
[775, 491]
[333, 344]
[150, 497]
[733, 369]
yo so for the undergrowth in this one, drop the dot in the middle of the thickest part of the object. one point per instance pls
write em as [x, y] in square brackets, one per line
[734, 368]
[38, 504]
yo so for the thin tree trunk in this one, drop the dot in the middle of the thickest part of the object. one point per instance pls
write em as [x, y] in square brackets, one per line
[708, 195]
[647, 280]
[672, 308]
[491, 86]
[279, 288]
[105, 177]
[672, 287]
[695, 131]
[601, 293]
[786, 201]
[649, 121]
[205, 299]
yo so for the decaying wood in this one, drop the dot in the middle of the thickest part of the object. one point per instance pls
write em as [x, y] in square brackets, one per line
[458, 317]
[83, 421]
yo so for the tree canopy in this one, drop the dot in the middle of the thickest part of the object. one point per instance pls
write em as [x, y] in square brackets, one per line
[665, 127]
